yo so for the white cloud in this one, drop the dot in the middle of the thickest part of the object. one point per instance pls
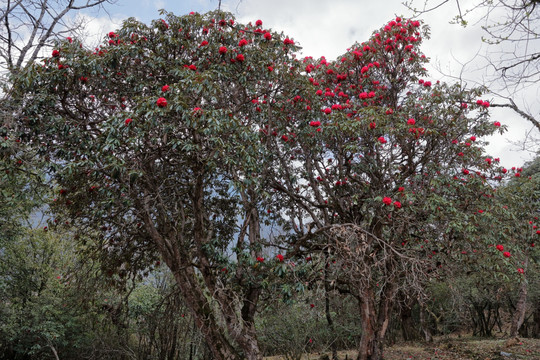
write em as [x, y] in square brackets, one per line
[96, 28]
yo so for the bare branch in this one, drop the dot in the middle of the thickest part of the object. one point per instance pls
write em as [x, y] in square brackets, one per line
[512, 105]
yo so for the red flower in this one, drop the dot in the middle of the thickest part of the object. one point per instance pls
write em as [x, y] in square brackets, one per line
[284, 137]
[242, 42]
[397, 204]
[517, 175]
[315, 123]
[222, 50]
[506, 254]
[382, 140]
[161, 102]
[240, 57]
[473, 138]
[465, 171]
[279, 257]
[372, 125]
[485, 104]
[112, 34]
[83, 79]
[204, 43]
[411, 122]
[497, 124]
[270, 68]
[128, 121]
[192, 67]
[260, 259]
[500, 247]
[401, 189]
[165, 88]
[364, 70]
[520, 270]
[386, 200]
[258, 22]
[312, 305]
[267, 36]
[55, 53]
[327, 111]
[287, 41]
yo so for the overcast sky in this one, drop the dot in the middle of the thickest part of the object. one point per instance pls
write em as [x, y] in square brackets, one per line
[328, 28]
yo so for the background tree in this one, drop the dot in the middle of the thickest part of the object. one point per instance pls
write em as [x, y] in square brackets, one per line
[384, 169]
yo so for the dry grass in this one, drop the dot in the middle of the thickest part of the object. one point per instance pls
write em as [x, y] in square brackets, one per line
[451, 348]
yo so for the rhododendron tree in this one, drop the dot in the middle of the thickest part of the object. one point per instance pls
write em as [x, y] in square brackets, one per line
[180, 178]
[387, 137]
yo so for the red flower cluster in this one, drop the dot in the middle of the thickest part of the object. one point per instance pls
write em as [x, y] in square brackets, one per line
[482, 103]
[161, 102]
[279, 257]
[386, 200]
[128, 121]
[500, 247]
[260, 259]
[222, 50]
[287, 41]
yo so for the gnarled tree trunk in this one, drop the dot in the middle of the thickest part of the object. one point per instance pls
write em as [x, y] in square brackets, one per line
[521, 308]
[375, 321]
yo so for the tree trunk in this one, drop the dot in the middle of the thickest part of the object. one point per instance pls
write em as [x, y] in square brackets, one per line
[205, 318]
[375, 322]
[425, 325]
[521, 307]
[329, 320]
[408, 331]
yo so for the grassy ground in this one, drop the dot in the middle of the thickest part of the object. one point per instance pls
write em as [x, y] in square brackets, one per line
[452, 348]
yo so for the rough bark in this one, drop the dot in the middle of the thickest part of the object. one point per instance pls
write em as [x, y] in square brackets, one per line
[375, 321]
[521, 308]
